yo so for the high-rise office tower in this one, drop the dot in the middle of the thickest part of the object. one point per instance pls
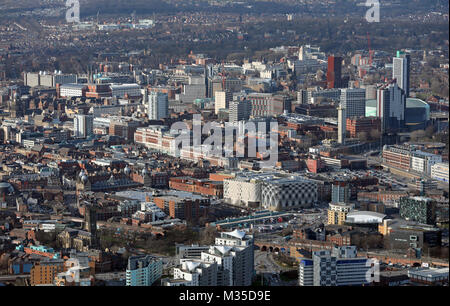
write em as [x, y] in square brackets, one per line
[83, 125]
[239, 110]
[354, 102]
[222, 100]
[342, 124]
[158, 106]
[401, 70]
[302, 96]
[334, 73]
[391, 107]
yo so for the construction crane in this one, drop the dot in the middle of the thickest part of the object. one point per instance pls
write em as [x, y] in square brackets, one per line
[370, 50]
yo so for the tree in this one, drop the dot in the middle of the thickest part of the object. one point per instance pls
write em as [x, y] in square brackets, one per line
[417, 135]
[363, 136]
[429, 131]
[375, 134]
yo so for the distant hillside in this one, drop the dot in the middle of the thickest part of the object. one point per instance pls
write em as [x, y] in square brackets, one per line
[314, 7]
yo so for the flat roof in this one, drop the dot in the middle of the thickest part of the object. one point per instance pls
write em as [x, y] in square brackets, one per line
[410, 103]
[431, 272]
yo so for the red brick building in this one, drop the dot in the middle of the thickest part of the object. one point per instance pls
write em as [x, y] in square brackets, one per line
[356, 126]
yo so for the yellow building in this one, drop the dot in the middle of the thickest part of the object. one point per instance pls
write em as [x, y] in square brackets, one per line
[337, 213]
[44, 272]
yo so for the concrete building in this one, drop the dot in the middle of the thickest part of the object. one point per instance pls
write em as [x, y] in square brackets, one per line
[158, 106]
[337, 213]
[401, 66]
[354, 102]
[439, 171]
[222, 100]
[143, 270]
[423, 161]
[48, 79]
[334, 72]
[72, 90]
[44, 271]
[391, 107]
[270, 191]
[126, 90]
[429, 276]
[340, 192]
[338, 267]
[342, 124]
[239, 110]
[83, 126]
[288, 193]
[230, 262]
[419, 209]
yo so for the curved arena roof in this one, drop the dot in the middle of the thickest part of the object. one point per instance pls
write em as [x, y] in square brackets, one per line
[365, 217]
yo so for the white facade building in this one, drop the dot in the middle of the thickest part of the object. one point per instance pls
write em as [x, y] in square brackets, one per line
[83, 125]
[158, 106]
[222, 100]
[423, 161]
[391, 106]
[439, 171]
[401, 69]
[270, 190]
[230, 262]
[339, 267]
[122, 90]
[72, 90]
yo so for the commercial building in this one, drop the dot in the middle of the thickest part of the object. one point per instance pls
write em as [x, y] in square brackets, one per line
[406, 236]
[338, 267]
[267, 104]
[334, 72]
[288, 193]
[83, 126]
[439, 171]
[48, 79]
[239, 110]
[354, 102]
[222, 100]
[429, 276]
[158, 106]
[44, 271]
[391, 107]
[271, 191]
[423, 161]
[196, 89]
[364, 218]
[124, 127]
[126, 90]
[183, 208]
[419, 209]
[401, 66]
[357, 125]
[417, 113]
[342, 120]
[72, 90]
[143, 270]
[397, 157]
[230, 262]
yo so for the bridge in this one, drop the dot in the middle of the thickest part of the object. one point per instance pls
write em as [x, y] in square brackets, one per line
[271, 246]
[12, 278]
